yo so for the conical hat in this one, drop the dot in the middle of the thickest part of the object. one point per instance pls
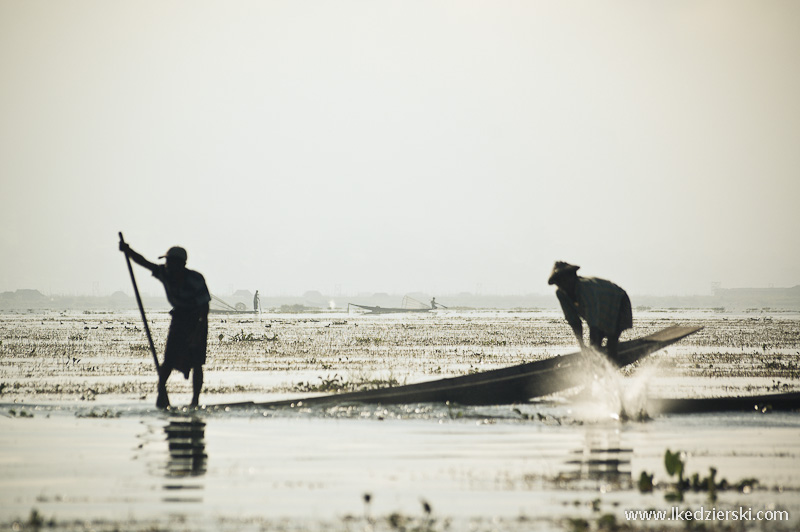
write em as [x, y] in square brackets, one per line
[561, 268]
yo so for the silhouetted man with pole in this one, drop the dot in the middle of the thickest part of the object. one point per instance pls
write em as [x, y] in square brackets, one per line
[604, 306]
[188, 331]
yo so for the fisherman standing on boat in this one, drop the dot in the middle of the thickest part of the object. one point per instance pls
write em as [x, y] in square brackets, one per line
[434, 306]
[256, 302]
[188, 331]
[604, 306]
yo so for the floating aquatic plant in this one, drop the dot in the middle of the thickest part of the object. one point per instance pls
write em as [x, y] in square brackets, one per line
[675, 465]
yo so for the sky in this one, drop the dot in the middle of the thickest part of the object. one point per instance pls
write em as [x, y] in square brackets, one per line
[433, 146]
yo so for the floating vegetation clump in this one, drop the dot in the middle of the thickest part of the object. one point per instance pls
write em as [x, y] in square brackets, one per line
[338, 384]
[99, 414]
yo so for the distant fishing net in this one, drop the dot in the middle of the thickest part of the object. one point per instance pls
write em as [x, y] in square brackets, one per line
[411, 303]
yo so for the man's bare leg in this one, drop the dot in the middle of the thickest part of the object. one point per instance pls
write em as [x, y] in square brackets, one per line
[612, 345]
[162, 401]
[595, 338]
[197, 384]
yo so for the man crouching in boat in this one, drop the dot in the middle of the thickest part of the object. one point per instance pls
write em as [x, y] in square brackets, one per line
[188, 331]
[604, 305]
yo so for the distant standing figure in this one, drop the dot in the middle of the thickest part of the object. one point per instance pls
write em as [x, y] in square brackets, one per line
[433, 303]
[256, 302]
[188, 331]
[604, 306]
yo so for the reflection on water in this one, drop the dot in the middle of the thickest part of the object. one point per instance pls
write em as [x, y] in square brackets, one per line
[602, 459]
[187, 448]
[187, 458]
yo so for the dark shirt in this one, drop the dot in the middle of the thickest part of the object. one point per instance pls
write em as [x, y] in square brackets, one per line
[187, 292]
[599, 303]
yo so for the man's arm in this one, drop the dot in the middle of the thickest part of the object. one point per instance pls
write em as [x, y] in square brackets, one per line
[137, 258]
[571, 315]
[578, 331]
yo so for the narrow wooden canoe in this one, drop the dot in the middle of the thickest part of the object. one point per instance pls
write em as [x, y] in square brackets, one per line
[514, 384]
[389, 310]
[754, 403]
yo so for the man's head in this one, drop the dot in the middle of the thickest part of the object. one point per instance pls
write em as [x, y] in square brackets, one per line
[176, 257]
[562, 273]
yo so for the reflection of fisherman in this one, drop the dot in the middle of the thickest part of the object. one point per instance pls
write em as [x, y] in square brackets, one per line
[256, 302]
[187, 448]
[433, 303]
[604, 305]
[186, 342]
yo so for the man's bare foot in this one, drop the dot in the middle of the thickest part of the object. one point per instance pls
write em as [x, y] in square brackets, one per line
[162, 401]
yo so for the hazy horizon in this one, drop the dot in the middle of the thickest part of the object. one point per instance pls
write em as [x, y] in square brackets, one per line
[156, 291]
[436, 147]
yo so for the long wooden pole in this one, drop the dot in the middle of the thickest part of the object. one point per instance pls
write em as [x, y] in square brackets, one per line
[141, 307]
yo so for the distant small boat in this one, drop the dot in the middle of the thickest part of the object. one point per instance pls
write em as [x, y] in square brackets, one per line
[236, 311]
[388, 310]
[409, 305]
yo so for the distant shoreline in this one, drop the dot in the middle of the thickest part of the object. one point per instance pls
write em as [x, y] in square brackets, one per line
[723, 300]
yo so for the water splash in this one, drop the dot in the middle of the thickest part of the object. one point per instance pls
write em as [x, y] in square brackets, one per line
[609, 393]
